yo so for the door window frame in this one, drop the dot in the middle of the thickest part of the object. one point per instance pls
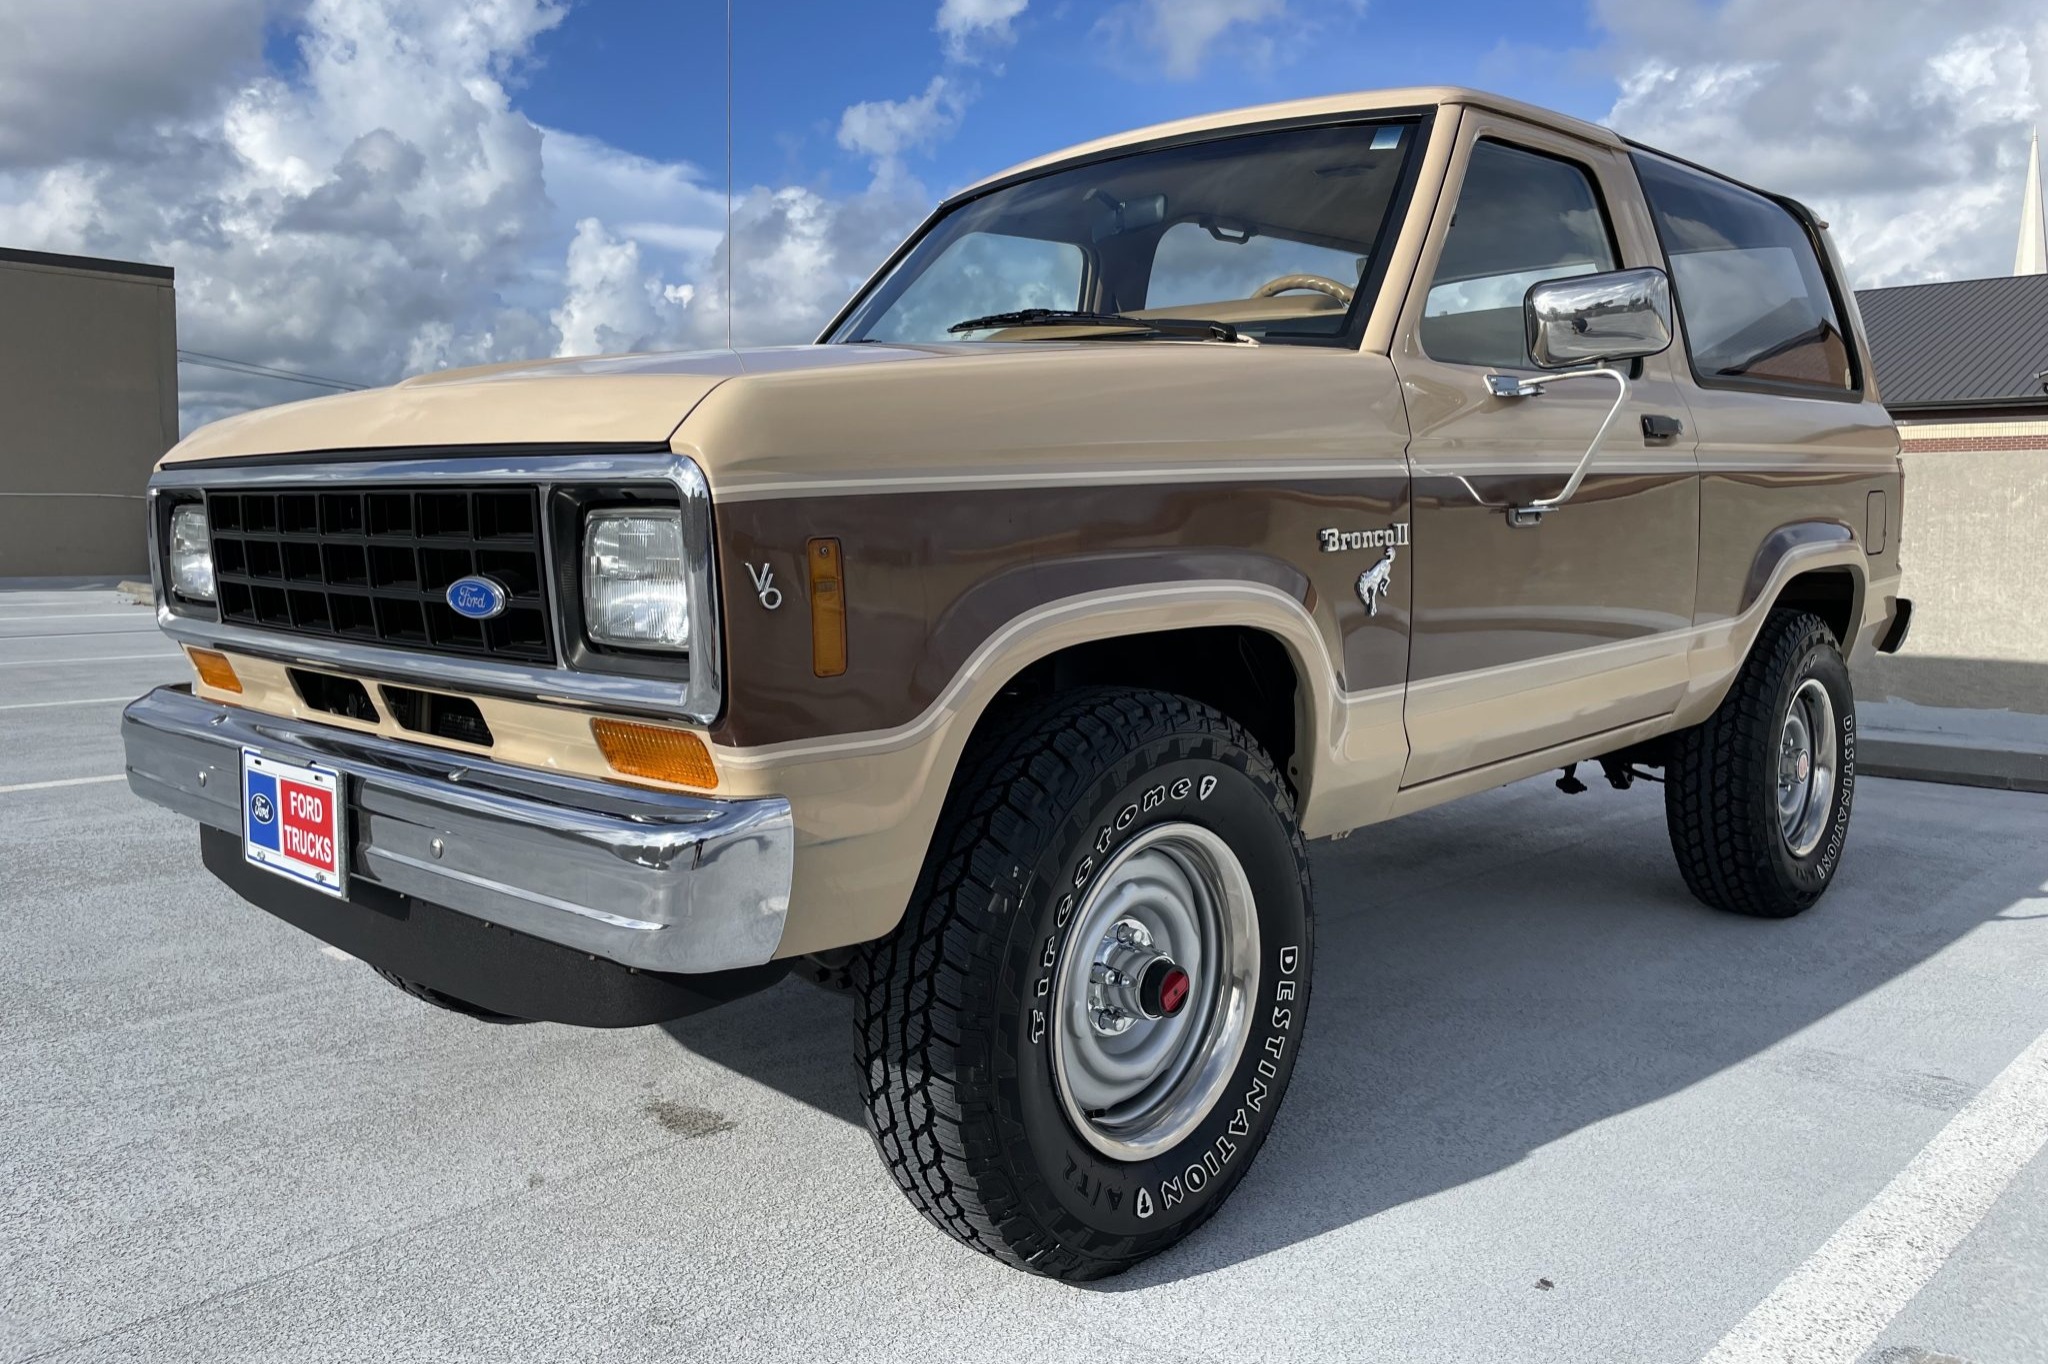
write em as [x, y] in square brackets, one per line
[1425, 287]
[1628, 227]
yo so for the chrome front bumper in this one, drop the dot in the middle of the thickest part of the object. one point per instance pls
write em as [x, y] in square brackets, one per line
[649, 879]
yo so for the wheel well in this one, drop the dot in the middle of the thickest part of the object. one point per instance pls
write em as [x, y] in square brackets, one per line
[1829, 593]
[1245, 673]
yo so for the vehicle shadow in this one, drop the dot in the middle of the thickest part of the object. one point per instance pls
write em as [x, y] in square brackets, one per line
[793, 1037]
[1499, 973]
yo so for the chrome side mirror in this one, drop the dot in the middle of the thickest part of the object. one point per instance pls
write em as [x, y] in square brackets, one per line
[1586, 319]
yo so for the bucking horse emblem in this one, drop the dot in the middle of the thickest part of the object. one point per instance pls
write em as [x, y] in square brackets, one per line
[1374, 582]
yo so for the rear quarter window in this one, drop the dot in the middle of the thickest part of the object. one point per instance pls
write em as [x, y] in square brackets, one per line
[1750, 291]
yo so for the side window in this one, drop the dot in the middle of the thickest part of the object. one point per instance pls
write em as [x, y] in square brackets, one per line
[980, 274]
[1522, 218]
[1748, 284]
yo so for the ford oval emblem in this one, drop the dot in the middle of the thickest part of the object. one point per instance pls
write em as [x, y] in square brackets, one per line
[476, 597]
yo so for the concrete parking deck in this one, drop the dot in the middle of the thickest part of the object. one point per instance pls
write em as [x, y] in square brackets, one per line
[1550, 1108]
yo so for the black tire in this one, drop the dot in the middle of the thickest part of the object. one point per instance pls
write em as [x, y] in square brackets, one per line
[1721, 783]
[956, 1062]
[428, 994]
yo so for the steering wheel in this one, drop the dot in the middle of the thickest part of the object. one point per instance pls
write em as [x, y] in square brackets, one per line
[1319, 284]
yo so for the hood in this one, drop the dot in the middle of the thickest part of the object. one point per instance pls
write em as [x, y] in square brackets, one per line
[606, 400]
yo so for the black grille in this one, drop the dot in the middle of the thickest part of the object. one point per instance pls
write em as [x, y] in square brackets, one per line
[430, 712]
[335, 695]
[374, 565]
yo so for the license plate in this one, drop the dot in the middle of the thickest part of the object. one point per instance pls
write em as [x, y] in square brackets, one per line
[291, 821]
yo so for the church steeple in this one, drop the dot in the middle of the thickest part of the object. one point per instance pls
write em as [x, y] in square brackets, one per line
[2032, 257]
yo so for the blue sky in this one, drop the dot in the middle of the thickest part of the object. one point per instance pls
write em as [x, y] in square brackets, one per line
[639, 74]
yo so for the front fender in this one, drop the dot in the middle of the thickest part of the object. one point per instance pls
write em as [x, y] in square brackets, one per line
[866, 804]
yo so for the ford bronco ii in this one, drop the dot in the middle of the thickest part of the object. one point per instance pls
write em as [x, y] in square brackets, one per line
[1157, 507]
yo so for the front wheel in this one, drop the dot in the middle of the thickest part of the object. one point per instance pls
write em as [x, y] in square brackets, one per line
[1757, 797]
[1075, 1043]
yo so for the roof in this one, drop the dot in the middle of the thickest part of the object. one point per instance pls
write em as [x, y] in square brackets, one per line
[1320, 107]
[1963, 343]
[12, 256]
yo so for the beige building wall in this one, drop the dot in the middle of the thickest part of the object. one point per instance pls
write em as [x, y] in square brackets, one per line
[88, 402]
[1975, 561]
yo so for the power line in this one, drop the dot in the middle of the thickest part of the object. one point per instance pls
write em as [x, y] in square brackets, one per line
[201, 358]
[205, 361]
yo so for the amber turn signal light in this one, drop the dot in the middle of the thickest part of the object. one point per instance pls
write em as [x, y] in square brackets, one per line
[215, 670]
[828, 608]
[655, 752]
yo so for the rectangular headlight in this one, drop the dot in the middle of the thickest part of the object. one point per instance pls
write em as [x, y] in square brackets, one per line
[635, 581]
[191, 556]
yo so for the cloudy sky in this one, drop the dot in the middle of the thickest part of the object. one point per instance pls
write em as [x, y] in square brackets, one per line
[364, 189]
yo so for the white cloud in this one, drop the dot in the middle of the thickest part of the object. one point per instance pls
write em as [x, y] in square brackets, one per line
[75, 78]
[969, 24]
[1182, 32]
[800, 256]
[388, 209]
[664, 205]
[887, 128]
[610, 304]
[1906, 129]
[378, 213]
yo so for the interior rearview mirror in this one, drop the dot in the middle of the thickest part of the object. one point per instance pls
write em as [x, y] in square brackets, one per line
[1109, 215]
[1620, 315]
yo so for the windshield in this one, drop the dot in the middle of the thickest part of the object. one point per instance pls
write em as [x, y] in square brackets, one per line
[1270, 233]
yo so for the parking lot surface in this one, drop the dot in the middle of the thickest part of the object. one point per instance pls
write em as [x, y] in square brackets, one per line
[1549, 1108]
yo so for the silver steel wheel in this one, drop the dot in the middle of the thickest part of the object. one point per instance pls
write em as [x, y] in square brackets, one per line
[1153, 997]
[1808, 764]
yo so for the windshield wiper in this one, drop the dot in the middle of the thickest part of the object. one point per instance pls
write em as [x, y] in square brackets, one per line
[1197, 327]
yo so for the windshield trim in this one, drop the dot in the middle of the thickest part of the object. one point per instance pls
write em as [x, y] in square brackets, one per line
[1422, 117]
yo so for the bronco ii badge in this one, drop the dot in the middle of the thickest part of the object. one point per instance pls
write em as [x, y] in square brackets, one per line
[1374, 583]
[1333, 540]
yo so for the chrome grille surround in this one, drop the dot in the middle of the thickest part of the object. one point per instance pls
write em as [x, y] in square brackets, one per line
[692, 689]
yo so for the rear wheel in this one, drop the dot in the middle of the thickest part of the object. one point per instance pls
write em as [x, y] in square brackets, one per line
[1757, 797]
[1075, 1043]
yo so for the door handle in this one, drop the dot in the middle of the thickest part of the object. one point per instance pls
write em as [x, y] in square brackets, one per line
[1658, 427]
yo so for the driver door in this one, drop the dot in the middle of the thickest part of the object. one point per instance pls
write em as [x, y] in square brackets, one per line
[1527, 637]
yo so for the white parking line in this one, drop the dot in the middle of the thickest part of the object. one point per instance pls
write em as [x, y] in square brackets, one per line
[47, 705]
[104, 658]
[80, 634]
[80, 615]
[1836, 1305]
[67, 781]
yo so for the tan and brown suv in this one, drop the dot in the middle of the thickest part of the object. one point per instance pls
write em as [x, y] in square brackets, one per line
[1158, 506]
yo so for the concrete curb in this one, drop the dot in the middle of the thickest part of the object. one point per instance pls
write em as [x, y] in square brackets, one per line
[2006, 765]
[144, 594]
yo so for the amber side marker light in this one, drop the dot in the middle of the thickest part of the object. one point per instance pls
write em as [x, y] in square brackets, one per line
[215, 670]
[828, 607]
[655, 752]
